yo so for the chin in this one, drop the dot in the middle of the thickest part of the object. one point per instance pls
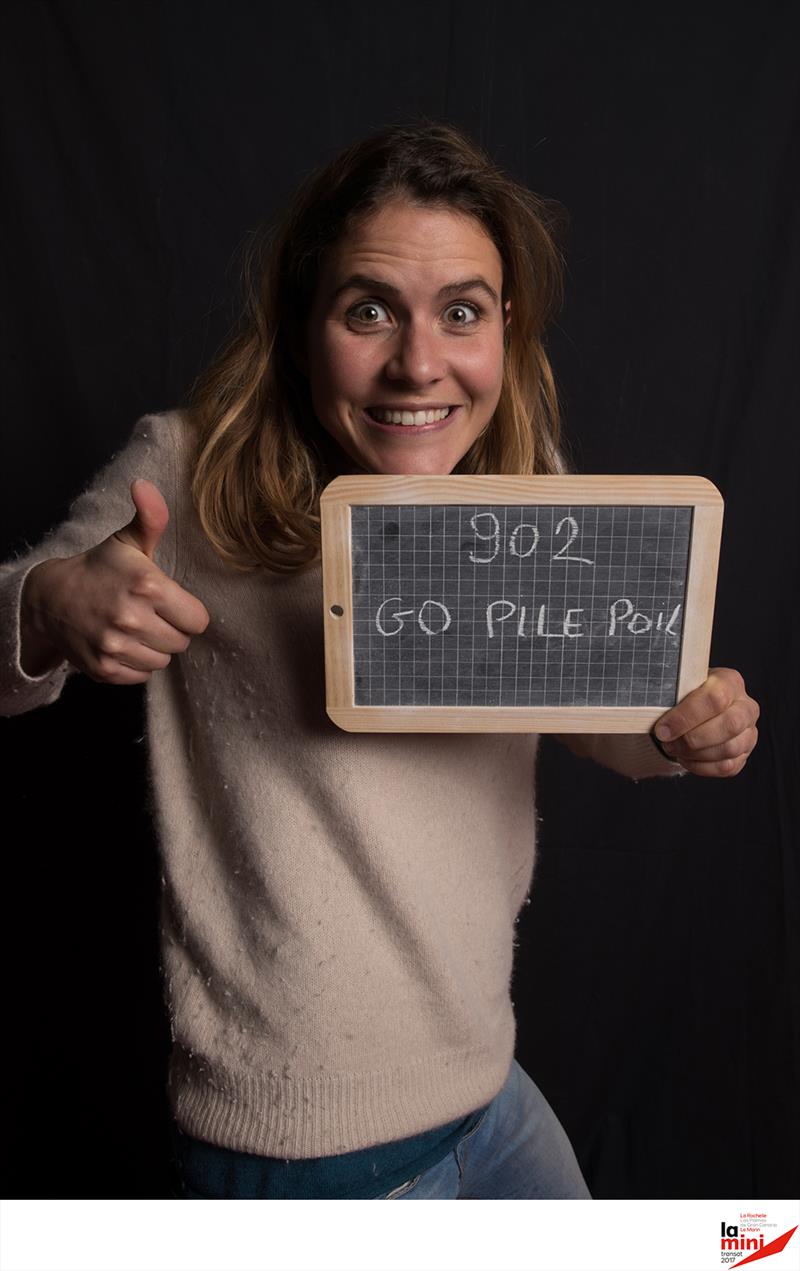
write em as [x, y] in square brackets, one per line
[423, 461]
[421, 466]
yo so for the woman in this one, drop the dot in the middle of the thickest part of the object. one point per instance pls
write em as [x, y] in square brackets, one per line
[338, 909]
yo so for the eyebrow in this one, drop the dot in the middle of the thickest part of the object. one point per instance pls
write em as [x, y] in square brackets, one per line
[361, 281]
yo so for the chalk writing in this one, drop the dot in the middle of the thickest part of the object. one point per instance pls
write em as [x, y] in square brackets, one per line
[621, 618]
[492, 535]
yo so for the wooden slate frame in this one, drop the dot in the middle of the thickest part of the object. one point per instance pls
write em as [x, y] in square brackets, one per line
[594, 491]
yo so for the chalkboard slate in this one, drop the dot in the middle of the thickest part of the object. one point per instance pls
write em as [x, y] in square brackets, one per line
[509, 603]
[518, 606]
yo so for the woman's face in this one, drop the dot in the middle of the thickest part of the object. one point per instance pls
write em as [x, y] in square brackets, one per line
[407, 318]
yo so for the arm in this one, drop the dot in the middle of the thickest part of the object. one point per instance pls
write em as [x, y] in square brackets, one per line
[630, 754]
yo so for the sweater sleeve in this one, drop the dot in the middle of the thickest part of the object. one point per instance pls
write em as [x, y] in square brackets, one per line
[105, 505]
[630, 754]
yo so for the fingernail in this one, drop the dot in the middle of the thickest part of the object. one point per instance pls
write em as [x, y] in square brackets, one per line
[663, 732]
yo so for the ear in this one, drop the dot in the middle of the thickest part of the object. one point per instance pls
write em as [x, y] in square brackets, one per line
[506, 318]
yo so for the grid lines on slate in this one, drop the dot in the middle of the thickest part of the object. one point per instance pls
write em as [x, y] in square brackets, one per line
[462, 605]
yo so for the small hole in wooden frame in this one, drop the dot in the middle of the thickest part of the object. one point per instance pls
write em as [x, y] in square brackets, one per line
[337, 611]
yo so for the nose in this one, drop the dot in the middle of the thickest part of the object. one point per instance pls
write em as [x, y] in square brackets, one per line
[417, 356]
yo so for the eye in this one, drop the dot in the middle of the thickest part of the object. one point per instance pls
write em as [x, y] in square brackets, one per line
[367, 311]
[461, 313]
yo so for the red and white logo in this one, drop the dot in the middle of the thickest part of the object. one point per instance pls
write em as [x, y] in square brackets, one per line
[750, 1239]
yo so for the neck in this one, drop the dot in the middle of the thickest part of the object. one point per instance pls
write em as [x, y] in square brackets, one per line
[337, 462]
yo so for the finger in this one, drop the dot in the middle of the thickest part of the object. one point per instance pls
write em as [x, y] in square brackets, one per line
[183, 610]
[132, 636]
[720, 768]
[712, 697]
[152, 517]
[730, 749]
[737, 719]
[141, 660]
[172, 603]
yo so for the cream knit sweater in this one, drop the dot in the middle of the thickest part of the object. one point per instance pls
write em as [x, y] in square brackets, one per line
[338, 909]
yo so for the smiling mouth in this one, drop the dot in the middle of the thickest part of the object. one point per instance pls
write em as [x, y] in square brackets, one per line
[409, 418]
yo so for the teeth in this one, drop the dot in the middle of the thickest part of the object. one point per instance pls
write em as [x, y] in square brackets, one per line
[409, 416]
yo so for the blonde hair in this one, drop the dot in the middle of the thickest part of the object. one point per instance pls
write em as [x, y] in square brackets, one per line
[261, 458]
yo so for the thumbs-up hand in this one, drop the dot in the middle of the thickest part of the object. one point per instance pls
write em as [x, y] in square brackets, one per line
[111, 611]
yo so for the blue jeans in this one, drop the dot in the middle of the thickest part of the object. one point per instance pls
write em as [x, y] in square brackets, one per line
[517, 1151]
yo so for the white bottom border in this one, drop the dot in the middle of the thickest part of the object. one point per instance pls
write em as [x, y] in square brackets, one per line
[495, 1235]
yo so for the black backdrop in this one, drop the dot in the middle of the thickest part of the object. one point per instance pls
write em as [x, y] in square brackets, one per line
[657, 969]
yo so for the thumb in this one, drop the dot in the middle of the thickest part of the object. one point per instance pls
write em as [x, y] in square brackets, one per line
[150, 521]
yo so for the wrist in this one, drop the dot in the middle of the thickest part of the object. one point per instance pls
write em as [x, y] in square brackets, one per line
[37, 652]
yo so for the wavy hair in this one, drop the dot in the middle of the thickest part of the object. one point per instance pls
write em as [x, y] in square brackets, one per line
[261, 458]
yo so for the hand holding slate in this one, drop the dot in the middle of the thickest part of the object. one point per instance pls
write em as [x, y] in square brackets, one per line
[712, 730]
